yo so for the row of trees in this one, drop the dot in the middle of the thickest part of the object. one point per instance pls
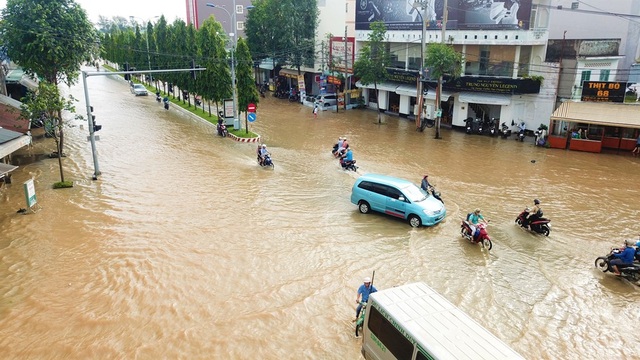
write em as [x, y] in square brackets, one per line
[180, 46]
[283, 30]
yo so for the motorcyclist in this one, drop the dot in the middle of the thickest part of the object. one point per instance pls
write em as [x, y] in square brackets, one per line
[535, 213]
[347, 158]
[474, 219]
[624, 258]
[263, 153]
[427, 187]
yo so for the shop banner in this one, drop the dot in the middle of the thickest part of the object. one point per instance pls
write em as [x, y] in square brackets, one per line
[604, 91]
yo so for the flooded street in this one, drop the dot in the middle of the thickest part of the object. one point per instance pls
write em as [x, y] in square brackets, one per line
[186, 249]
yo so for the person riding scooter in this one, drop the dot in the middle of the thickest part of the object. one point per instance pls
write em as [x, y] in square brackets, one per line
[534, 214]
[474, 219]
[347, 159]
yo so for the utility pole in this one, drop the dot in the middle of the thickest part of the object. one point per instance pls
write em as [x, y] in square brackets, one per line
[346, 71]
[420, 82]
[445, 15]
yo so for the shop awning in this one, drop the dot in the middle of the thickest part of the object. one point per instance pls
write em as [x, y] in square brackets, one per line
[484, 98]
[431, 95]
[10, 141]
[386, 86]
[289, 73]
[6, 168]
[407, 90]
[608, 114]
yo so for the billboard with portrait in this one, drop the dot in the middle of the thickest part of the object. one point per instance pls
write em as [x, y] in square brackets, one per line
[462, 14]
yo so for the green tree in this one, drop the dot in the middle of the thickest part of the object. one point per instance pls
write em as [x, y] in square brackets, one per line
[47, 104]
[442, 59]
[48, 38]
[371, 65]
[247, 91]
[214, 83]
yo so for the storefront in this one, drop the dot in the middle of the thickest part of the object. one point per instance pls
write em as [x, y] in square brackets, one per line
[593, 127]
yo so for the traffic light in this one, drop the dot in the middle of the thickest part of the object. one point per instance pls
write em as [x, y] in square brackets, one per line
[96, 127]
[126, 68]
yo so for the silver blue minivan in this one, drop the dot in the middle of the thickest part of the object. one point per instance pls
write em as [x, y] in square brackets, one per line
[397, 197]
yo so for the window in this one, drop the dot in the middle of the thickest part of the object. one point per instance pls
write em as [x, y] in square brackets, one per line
[604, 75]
[239, 9]
[395, 342]
[240, 25]
[586, 76]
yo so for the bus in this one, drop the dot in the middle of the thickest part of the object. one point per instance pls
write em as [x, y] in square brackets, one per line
[414, 322]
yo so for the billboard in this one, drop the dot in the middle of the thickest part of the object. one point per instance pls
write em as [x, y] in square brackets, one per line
[337, 53]
[462, 14]
[610, 91]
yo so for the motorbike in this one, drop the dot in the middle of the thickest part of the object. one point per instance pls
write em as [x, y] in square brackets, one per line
[222, 130]
[505, 132]
[478, 126]
[348, 165]
[267, 161]
[166, 103]
[630, 272]
[492, 126]
[540, 226]
[360, 320]
[521, 131]
[469, 125]
[158, 97]
[480, 237]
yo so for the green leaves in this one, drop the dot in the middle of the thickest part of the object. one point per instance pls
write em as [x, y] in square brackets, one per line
[50, 38]
[442, 59]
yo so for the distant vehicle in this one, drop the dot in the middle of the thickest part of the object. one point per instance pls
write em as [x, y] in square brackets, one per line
[415, 322]
[396, 197]
[326, 100]
[139, 90]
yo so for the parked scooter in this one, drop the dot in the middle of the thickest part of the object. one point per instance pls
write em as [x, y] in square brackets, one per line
[521, 132]
[478, 126]
[492, 126]
[505, 132]
[469, 125]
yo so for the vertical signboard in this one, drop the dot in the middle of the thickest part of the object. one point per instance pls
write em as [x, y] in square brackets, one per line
[30, 193]
[337, 53]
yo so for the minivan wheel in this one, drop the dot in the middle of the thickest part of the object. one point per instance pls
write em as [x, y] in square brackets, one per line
[414, 221]
[364, 207]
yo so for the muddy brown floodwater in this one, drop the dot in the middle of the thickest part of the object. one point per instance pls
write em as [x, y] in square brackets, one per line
[186, 249]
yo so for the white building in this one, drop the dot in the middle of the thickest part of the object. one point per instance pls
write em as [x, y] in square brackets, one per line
[503, 44]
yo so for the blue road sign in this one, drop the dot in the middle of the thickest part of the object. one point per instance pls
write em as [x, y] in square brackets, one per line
[251, 117]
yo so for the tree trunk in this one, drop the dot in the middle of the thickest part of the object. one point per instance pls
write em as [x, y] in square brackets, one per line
[438, 90]
[59, 149]
[375, 85]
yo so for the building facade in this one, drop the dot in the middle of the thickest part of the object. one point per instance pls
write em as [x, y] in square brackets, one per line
[504, 75]
[598, 20]
[198, 11]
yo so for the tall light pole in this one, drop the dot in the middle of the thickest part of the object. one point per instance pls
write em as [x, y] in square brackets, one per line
[232, 16]
[423, 5]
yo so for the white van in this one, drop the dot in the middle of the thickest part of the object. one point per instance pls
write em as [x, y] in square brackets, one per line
[414, 322]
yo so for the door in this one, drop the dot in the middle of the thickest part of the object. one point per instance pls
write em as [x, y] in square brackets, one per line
[396, 205]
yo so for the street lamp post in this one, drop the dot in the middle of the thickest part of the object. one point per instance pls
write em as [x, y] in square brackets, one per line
[421, 78]
[232, 16]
